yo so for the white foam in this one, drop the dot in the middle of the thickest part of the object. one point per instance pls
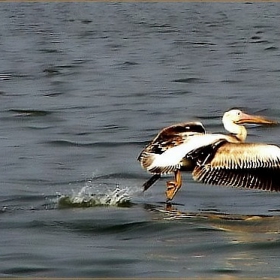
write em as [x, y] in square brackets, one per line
[97, 195]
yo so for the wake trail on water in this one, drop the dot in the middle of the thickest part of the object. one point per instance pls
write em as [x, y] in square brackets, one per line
[92, 195]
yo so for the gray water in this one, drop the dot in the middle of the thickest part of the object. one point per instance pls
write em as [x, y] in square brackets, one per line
[83, 88]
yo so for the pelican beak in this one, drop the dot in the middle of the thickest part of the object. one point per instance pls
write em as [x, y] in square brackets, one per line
[245, 118]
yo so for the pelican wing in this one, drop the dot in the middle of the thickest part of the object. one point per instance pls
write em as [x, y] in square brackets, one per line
[173, 136]
[167, 139]
[255, 166]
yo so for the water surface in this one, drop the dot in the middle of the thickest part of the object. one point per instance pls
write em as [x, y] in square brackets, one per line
[83, 88]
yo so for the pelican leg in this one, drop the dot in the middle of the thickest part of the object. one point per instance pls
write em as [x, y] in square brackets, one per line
[151, 181]
[173, 186]
[169, 207]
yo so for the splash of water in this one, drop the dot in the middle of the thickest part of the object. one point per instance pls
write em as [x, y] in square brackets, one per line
[100, 195]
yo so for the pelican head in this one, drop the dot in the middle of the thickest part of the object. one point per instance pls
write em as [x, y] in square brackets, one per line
[234, 119]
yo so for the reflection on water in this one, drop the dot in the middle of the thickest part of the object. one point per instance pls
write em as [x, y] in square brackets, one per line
[223, 221]
[244, 246]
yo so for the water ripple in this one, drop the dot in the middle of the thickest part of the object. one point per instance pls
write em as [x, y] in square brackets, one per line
[30, 113]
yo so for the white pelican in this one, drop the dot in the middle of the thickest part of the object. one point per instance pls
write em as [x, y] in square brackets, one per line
[213, 158]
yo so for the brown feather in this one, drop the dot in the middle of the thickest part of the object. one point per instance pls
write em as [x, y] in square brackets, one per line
[167, 138]
[246, 155]
[172, 136]
[255, 166]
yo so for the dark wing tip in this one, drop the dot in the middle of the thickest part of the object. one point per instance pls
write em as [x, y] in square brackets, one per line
[259, 178]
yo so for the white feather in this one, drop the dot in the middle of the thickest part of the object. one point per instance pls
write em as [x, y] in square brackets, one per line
[173, 156]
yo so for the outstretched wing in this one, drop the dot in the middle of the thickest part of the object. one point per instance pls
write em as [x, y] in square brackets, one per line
[173, 135]
[255, 166]
[168, 138]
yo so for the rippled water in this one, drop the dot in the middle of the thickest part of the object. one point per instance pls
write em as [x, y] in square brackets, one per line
[83, 87]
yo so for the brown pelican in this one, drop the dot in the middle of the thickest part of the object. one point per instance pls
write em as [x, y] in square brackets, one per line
[217, 159]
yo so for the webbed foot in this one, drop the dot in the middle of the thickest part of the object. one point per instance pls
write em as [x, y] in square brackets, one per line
[173, 186]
